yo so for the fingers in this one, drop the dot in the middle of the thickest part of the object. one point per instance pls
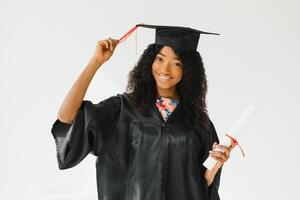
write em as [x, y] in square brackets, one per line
[214, 157]
[224, 149]
[220, 153]
[103, 43]
[110, 44]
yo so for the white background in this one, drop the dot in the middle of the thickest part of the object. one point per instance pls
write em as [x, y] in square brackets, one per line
[44, 45]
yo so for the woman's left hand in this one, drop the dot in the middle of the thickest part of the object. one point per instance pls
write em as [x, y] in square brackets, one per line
[220, 157]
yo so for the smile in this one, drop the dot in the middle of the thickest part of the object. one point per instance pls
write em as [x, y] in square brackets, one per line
[163, 77]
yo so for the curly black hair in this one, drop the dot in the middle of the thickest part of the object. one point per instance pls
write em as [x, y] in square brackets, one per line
[192, 88]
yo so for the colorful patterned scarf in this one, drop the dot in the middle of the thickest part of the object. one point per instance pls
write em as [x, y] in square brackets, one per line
[166, 106]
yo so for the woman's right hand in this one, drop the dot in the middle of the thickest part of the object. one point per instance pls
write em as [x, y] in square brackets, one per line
[105, 49]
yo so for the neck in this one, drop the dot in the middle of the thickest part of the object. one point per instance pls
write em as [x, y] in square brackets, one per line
[170, 93]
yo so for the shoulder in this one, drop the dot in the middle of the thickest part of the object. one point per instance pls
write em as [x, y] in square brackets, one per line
[116, 102]
[115, 99]
[119, 97]
[213, 132]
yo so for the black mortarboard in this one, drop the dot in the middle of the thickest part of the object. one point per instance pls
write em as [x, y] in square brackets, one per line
[179, 38]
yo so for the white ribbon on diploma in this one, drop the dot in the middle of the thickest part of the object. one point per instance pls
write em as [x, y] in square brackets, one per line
[235, 131]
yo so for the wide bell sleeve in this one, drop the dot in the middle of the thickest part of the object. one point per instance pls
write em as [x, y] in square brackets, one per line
[86, 134]
[214, 187]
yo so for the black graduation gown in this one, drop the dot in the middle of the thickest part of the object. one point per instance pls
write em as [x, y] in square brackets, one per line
[139, 156]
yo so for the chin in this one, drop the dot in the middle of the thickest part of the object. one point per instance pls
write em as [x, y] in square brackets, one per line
[165, 86]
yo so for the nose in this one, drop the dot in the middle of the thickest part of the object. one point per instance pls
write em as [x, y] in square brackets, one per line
[164, 68]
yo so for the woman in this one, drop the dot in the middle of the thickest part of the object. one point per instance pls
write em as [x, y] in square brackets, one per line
[152, 140]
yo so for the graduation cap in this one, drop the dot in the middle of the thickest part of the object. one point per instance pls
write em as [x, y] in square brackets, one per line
[178, 37]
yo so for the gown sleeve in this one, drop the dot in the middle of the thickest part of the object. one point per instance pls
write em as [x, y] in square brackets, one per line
[86, 133]
[214, 187]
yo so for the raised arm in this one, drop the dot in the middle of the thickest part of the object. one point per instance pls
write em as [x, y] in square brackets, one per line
[73, 99]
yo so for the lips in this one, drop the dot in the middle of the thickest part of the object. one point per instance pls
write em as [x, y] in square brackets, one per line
[164, 77]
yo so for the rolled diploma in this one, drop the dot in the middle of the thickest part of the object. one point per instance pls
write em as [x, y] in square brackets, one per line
[234, 132]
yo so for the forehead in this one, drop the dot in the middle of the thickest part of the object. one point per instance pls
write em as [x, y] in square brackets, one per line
[167, 51]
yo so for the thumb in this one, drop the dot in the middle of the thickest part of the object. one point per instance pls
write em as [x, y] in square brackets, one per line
[232, 146]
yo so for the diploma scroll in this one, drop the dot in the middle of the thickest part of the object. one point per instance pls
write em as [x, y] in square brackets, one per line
[234, 132]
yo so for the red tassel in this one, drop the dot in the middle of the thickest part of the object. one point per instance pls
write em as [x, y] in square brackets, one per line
[234, 141]
[126, 35]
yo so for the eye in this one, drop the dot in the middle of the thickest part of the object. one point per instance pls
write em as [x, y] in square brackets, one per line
[158, 58]
[177, 64]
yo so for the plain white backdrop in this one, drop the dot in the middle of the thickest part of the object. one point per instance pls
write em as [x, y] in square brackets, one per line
[44, 45]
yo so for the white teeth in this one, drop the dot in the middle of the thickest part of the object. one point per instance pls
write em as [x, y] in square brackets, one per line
[164, 77]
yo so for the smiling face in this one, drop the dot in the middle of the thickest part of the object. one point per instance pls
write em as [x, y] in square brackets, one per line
[167, 72]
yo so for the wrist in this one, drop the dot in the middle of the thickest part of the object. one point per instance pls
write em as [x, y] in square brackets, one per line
[217, 166]
[93, 65]
[97, 61]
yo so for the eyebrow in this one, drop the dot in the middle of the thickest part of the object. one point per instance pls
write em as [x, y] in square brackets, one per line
[176, 58]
